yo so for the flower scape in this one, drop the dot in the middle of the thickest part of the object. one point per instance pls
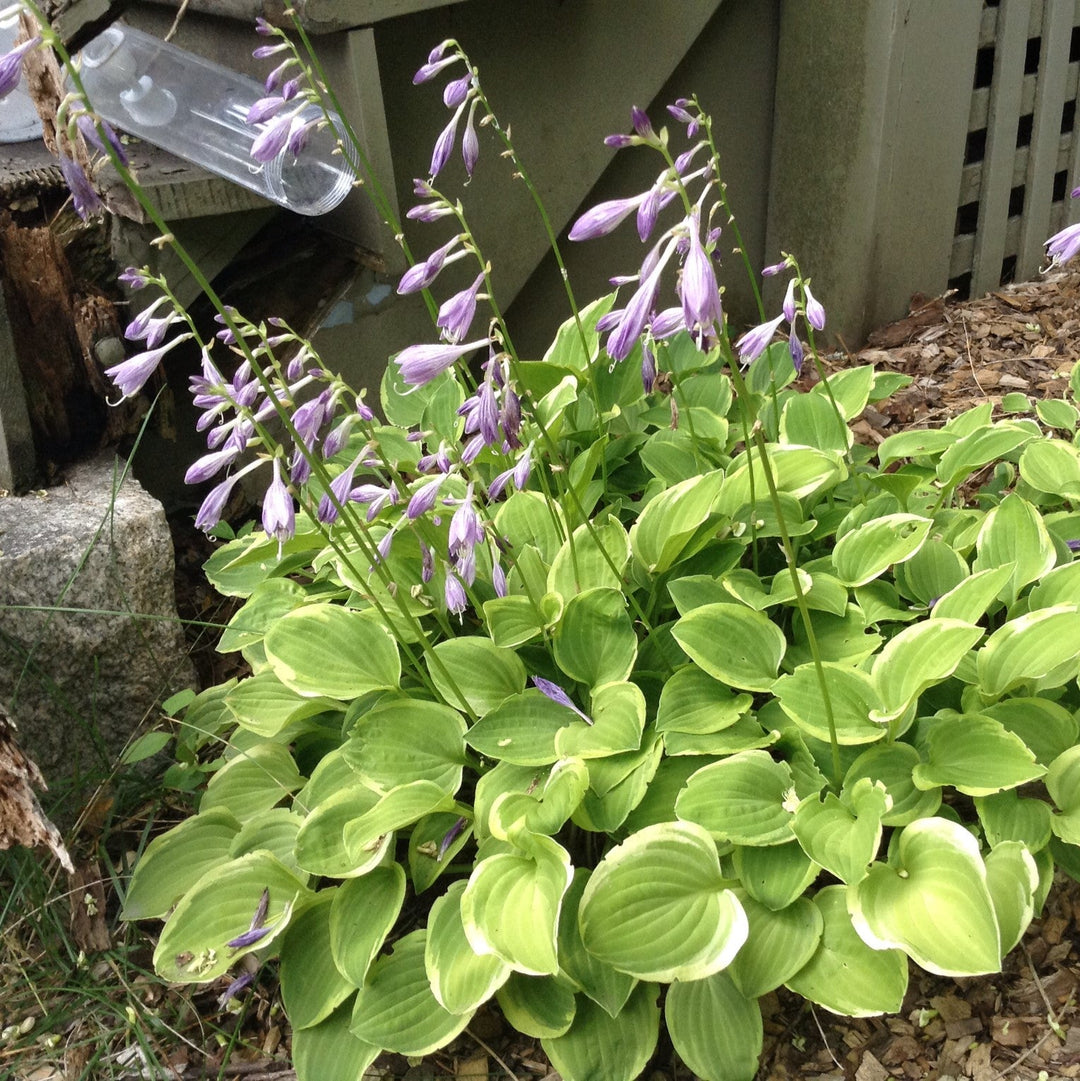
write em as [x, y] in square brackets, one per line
[615, 688]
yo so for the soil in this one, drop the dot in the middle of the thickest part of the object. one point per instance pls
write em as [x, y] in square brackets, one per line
[1019, 1024]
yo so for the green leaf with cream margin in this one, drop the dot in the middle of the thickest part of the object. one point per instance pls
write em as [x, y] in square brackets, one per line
[396, 1009]
[1031, 647]
[844, 974]
[658, 907]
[715, 1028]
[933, 901]
[326, 649]
[736, 645]
[974, 754]
[510, 907]
[193, 947]
[671, 519]
[919, 657]
[869, 550]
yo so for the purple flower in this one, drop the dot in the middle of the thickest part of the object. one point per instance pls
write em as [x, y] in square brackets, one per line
[1075, 193]
[451, 835]
[796, 350]
[698, 288]
[454, 594]
[444, 144]
[264, 51]
[642, 124]
[773, 269]
[263, 27]
[248, 938]
[264, 108]
[11, 65]
[278, 514]
[466, 527]
[557, 694]
[666, 323]
[419, 364]
[272, 139]
[470, 144]
[130, 375]
[456, 314]
[423, 274]
[375, 497]
[622, 338]
[423, 499]
[788, 306]
[457, 90]
[604, 218]
[754, 342]
[309, 417]
[213, 506]
[340, 487]
[428, 71]
[1073, 545]
[648, 368]
[209, 465]
[83, 197]
[815, 313]
[234, 988]
[1061, 247]
[88, 125]
[133, 278]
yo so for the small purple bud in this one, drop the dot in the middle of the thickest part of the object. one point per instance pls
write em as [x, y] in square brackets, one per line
[457, 90]
[234, 988]
[451, 835]
[648, 368]
[248, 938]
[427, 563]
[421, 275]
[642, 124]
[423, 499]
[796, 350]
[557, 694]
[619, 141]
[209, 465]
[789, 302]
[603, 218]
[133, 278]
[1073, 545]
[440, 154]
[1075, 193]
[815, 313]
[428, 71]
[264, 51]
[84, 198]
[263, 109]
[773, 269]
[470, 144]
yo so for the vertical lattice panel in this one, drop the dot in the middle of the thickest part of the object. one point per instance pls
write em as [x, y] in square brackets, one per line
[1022, 153]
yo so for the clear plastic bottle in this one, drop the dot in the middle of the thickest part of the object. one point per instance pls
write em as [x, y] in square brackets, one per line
[197, 110]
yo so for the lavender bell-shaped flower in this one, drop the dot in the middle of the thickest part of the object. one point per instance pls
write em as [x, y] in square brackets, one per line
[419, 364]
[754, 342]
[557, 694]
[279, 513]
[11, 65]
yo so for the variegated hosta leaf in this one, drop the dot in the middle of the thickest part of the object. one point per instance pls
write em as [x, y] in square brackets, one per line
[657, 906]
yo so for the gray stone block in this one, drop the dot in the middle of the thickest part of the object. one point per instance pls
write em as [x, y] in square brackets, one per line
[90, 641]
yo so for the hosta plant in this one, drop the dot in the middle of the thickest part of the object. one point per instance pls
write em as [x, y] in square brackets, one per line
[619, 685]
